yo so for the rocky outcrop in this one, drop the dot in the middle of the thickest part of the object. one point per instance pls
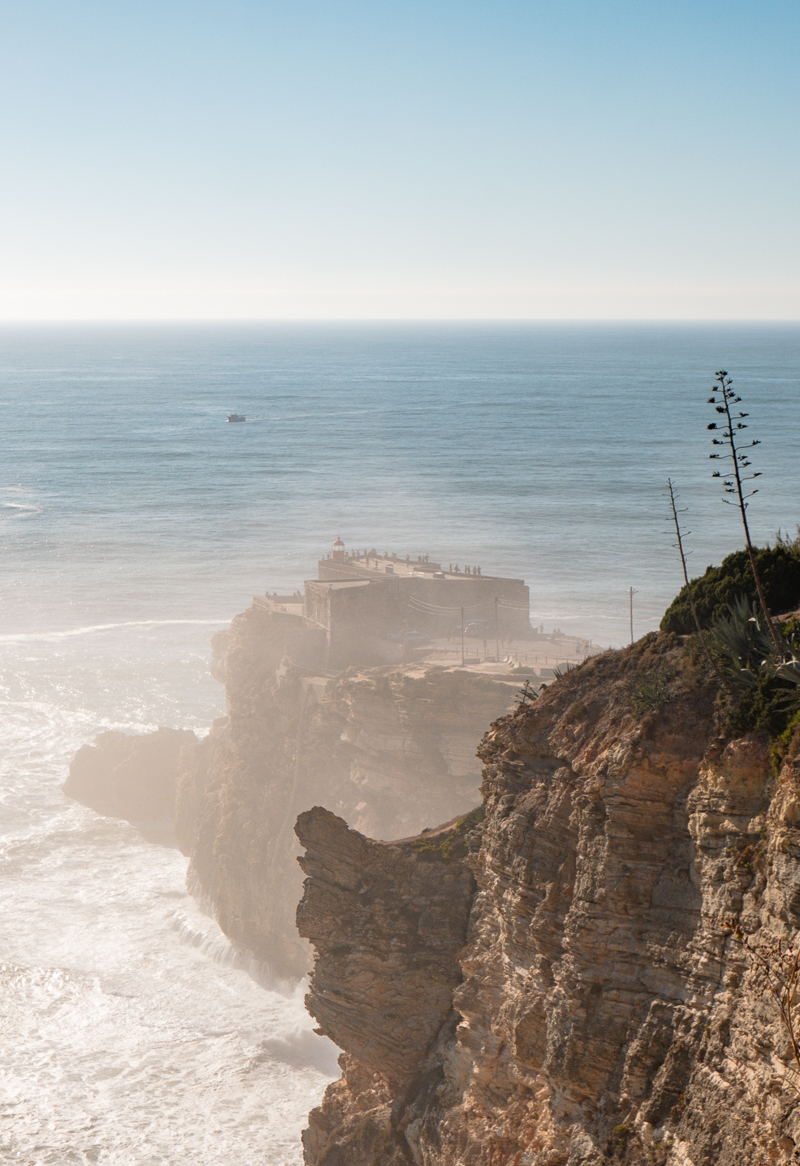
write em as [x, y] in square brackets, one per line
[388, 988]
[390, 750]
[128, 776]
[371, 991]
[604, 1007]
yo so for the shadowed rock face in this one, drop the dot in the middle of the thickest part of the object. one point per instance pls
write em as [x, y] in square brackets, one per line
[127, 776]
[391, 750]
[386, 982]
[371, 987]
[604, 1009]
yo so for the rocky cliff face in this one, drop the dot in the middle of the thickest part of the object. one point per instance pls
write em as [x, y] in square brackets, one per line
[128, 776]
[368, 990]
[390, 749]
[602, 1006]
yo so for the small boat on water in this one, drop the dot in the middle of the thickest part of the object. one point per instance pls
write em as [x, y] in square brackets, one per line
[236, 417]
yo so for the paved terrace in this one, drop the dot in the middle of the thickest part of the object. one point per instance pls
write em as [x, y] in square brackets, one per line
[368, 564]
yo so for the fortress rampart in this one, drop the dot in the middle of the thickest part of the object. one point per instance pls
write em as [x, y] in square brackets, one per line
[366, 609]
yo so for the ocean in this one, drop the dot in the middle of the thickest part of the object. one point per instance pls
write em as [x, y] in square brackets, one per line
[136, 522]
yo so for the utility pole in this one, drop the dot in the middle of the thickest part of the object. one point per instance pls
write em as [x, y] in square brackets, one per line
[462, 637]
[496, 633]
[631, 592]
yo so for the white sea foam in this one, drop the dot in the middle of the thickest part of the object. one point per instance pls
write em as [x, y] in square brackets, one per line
[20, 509]
[133, 1030]
[68, 633]
[135, 1033]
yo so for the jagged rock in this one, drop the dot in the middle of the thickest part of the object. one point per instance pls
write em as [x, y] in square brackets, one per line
[389, 749]
[607, 1011]
[387, 978]
[128, 776]
[390, 983]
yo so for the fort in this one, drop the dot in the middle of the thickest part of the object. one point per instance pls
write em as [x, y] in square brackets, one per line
[366, 692]
[366, 609]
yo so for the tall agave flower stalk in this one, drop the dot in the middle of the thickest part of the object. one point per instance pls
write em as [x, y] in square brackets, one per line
[725, 400]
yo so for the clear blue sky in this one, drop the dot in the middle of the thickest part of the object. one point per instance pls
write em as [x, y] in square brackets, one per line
[325, 158]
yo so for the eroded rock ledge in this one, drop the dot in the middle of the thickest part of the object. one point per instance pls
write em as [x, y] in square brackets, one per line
[602, 1007]
[390, 749]
[387, 982]
[129, 776]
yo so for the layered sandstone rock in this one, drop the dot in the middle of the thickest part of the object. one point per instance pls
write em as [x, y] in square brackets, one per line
[130, 776]
[387, 988]
[605, 1008]
[390, 749]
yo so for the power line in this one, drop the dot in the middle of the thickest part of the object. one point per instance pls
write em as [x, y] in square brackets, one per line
[436, 609]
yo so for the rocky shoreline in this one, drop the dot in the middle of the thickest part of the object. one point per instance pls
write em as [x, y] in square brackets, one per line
[391, 749]
[558, 977]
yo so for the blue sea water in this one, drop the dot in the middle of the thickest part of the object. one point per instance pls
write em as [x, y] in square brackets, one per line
[539, 451]
[135, 521]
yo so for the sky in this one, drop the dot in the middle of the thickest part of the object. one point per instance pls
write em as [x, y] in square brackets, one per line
[418, 159]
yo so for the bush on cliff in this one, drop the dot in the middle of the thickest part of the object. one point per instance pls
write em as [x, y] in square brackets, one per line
[760, 709]
[762, 685]
[720, 587]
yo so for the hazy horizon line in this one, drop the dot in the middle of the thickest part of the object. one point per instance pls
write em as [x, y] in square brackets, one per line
[418, 320]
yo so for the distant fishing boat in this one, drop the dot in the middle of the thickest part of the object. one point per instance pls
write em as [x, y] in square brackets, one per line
[236, 417]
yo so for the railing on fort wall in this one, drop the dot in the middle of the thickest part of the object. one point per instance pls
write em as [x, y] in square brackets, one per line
[467, 608]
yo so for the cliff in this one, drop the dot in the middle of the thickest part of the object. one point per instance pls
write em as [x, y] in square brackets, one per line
[390, 749]
[589, 998]
[128, 776]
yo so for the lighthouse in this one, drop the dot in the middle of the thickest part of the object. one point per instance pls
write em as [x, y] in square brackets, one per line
[338, 551]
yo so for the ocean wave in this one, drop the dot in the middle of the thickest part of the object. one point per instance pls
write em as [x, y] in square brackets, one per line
[215, 946]
[21, 508]
[30, 637]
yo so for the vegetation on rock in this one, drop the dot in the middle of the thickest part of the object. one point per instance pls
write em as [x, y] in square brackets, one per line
[451, 844]
[613, 808]
[720, 587]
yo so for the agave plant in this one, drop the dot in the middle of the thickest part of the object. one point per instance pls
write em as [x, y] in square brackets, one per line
[745, 650]
[740, 644]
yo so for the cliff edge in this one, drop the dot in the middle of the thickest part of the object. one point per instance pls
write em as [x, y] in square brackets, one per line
[130, 776]
[390, 749]
[589, 997]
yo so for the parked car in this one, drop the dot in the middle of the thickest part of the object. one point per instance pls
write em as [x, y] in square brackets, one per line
[412, 638]
[479, 628]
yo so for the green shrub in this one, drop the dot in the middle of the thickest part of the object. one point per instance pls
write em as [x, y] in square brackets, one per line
[575, 712]
[719, 587]
[780, 745]
[618, 1141]
[649, 692]
[760, 709]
